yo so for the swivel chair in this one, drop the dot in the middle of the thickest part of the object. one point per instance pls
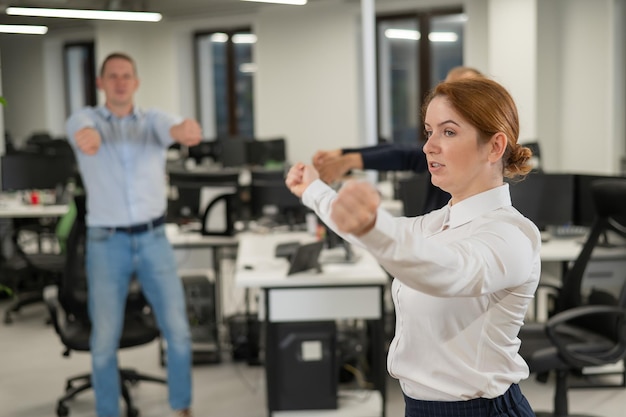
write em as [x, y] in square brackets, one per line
[67, 305]
[587, 329]
[33, 271]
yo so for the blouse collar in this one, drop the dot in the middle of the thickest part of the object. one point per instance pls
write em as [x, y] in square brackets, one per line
[476, 206]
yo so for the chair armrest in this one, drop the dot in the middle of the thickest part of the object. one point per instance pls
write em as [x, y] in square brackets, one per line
[600, 355]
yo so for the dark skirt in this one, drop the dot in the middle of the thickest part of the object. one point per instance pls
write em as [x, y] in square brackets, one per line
[510, 404]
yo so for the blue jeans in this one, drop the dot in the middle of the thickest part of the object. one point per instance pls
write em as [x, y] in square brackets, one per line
[112, 257]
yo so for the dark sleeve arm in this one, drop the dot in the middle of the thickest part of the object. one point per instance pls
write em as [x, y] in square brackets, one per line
[392, 157]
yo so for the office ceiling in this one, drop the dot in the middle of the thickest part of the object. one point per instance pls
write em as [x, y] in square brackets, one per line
[169, 8]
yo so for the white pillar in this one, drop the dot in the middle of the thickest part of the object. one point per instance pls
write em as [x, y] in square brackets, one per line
[512, 56]
[368, 24]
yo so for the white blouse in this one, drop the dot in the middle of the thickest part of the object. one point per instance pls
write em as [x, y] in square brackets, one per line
[464, 277]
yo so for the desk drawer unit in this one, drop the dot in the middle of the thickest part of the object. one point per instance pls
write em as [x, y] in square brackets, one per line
[324, 303]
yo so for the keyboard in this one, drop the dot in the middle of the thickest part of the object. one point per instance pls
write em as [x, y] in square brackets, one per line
[569, 231]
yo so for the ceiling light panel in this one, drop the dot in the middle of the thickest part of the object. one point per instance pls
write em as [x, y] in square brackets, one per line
[84, 14]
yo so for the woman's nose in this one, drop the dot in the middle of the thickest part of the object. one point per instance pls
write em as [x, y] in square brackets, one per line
[428, 146]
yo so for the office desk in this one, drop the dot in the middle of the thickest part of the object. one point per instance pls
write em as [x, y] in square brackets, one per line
[567, 249]
[557, 253]
[184, 241]
[20, 211]
[340, 291]
[190, 250]
[16, 210]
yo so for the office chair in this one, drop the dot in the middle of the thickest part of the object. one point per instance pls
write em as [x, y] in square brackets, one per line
[67, 305]
[587, 329]
[33, 271]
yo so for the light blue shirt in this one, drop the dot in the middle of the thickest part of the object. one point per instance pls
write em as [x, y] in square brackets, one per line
[125, 180]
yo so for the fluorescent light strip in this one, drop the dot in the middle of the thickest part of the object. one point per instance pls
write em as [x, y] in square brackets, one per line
[443, 37]
[292, 2]
[408, 34]
[219, 37]
[24, 29]
[248, 68]
[413, 35]
[84, 14]
[244, 38]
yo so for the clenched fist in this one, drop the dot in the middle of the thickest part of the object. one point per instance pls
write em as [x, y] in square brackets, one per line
[88, 140]
[354, 209]
[299, 177]
[321, 157]
[188, 132]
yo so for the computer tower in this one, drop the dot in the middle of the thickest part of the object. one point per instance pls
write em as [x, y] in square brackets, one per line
[302, 365]
[200, 299]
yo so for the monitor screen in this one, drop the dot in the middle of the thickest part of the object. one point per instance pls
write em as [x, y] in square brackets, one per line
[28, 171]
[546, 199]
[205, 149]
[233, 152]
[270, 197]
[187, 203]
[266, 152]
[413, 191]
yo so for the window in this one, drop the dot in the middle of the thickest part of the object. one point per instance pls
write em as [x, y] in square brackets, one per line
[224, 75]
[80, 76]
[410, 64]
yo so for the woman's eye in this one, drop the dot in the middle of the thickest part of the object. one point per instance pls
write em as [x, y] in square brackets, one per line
[428, 133]
[448, 132]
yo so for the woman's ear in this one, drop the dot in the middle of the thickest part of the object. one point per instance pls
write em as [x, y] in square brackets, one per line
[498, 146]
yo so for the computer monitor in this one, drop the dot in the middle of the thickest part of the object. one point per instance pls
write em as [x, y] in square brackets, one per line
[584, 210]
[546, 199]
[266, 152]
[187, 204]
[272, 198]
[413, 190]
[28, 171]
[205, 149]
[234, 151]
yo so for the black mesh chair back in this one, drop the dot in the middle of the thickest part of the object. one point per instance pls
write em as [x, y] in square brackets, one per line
[609, 197]
[72, 290]
[589, 328]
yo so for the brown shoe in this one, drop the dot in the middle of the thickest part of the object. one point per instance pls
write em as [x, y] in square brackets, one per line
[183, 413]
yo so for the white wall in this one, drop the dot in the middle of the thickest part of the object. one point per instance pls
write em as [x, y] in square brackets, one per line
[549, 87]
[54, 86]
[619, 83]
[587, 142]
[512, 49]
[2, 147]
[155, 56]
[307, 86]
